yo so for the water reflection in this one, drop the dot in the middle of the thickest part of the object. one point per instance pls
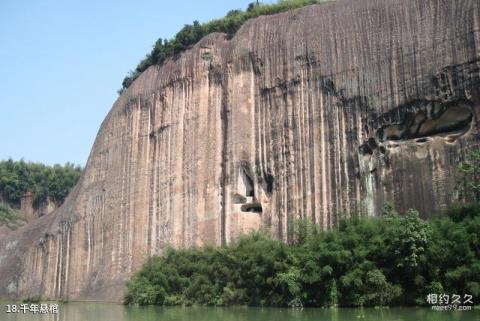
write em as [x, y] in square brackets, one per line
[78, 311]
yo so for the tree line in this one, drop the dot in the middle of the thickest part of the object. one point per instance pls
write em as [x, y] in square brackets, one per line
[43, 181]
[190, 34]
[389, 260]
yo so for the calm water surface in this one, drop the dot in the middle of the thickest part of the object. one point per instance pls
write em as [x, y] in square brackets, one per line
[77, 311]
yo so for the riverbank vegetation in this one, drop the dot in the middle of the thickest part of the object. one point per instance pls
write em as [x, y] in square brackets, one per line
[389, 260]
[190, 34]
[43, 181]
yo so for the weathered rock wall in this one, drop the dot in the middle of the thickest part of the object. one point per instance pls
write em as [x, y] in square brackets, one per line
[31, 212]
[315, 113]
[27, 212]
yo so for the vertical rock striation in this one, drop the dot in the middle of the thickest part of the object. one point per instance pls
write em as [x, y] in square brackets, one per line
[315, 113]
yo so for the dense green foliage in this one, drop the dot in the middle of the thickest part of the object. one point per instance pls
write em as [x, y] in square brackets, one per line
[469, 182]
[189, 35]
[54, 182]
[390, 260]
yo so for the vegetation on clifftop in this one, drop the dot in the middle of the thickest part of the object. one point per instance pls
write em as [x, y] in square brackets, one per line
[190, 34]
[44, 182]
[391, 260]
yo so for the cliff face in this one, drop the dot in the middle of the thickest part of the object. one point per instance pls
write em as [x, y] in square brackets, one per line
[315, 113]
[26, 212]
[32, 212]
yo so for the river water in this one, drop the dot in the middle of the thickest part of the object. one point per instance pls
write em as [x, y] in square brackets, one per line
[77, 311]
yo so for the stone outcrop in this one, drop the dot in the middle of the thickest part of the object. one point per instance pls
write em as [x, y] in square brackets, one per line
[27, 212]
[315, 113]
[31, 212]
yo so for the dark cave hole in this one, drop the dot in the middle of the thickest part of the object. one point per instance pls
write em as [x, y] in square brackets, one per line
[252, 207]
[268, 186]
[365, 149]
[250, 204]
[421, 124]
[368, 147]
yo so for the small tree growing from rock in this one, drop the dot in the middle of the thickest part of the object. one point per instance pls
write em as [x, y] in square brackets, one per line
[468, 186]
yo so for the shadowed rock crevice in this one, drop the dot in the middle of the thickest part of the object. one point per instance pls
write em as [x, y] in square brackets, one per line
[253, 207]
[423, 119]
[448, 111]
[267, 183]
[249, 189]
[246, 191]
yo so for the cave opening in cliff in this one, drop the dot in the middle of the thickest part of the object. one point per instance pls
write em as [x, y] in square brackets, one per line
[253, 207]
[246, 192]
[433, 120]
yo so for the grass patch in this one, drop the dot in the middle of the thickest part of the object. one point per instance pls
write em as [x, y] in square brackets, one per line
[7, 214]
[10, 217]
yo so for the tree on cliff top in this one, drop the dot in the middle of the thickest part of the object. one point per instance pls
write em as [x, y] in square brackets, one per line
[53, 182]
[189, 35]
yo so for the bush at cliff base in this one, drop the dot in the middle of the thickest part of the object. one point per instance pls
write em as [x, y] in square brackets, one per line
[390, 260]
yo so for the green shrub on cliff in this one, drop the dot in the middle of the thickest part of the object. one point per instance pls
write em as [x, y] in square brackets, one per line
[190, 34]
[7, 214]
[54, 182]
[390, 260]
[469, 182]
[10, 217]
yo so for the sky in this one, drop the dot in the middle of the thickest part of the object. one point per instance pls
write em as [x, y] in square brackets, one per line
[62, 62]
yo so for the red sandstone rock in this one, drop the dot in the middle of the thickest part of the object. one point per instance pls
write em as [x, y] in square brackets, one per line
[322, 111]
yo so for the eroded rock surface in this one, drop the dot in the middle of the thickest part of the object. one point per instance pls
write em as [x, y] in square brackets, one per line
[315, 113]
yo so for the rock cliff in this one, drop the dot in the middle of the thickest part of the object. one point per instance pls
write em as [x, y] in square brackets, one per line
[32, 212]
[315, 113]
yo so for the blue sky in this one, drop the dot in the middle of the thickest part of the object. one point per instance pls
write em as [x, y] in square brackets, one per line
[61, 63]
